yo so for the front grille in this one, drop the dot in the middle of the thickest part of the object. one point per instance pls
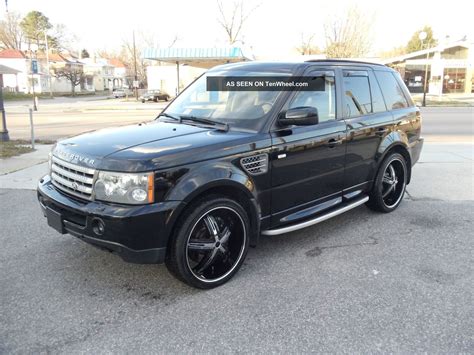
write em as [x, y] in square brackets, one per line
[73, 179]
[256, 164]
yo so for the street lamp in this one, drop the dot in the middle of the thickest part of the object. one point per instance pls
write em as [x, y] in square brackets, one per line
[422, 36]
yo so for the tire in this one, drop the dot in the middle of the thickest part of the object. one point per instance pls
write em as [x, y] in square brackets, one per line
[389, 185]
[155, 99]
[167, 98]
[197, 253]
[143, 101]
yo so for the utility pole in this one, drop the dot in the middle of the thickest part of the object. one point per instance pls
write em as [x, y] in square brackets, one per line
[135, 83]
[47, 65]
[4, 137]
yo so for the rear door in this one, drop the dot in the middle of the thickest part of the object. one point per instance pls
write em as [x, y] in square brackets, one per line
[368, 123]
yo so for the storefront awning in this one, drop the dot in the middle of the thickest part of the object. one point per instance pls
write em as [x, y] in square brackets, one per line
[197, 57]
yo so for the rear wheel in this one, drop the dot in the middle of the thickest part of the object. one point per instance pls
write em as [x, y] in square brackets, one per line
[390, 184]
[210, 243]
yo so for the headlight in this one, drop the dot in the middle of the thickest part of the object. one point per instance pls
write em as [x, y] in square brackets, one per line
[124, 188]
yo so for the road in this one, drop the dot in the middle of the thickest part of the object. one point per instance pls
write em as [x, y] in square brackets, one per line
[362, 282]
[68, 118]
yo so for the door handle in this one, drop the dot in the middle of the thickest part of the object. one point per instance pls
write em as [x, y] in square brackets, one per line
[381, 131]
[333, 142]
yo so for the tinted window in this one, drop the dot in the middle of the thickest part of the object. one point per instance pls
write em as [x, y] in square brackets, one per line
[378, 104]
[324, 100]
[357, 100]
[391, 90]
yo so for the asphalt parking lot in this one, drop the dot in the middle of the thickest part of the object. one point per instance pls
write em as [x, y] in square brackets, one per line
[361, 282]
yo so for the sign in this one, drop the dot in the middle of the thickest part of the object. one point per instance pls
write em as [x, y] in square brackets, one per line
[34, 66]
[136, 84]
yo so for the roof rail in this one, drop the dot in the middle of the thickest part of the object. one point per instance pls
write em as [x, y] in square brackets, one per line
[344, 61]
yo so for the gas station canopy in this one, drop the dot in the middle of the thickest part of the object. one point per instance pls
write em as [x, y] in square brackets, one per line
[197, 57]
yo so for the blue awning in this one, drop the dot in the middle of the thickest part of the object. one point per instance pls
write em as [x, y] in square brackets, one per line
[199, 57]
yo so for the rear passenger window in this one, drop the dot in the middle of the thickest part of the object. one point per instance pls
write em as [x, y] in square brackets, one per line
[357, 100]
[391, 90]
[378, 103]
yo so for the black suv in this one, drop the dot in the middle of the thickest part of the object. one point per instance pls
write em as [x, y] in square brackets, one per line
[216, 169]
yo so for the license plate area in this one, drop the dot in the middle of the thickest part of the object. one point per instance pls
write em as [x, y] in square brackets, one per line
[55, 220]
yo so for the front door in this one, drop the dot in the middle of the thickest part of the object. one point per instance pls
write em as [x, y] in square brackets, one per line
[308, 161]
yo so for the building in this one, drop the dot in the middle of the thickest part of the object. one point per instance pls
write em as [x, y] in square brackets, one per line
[176, 68]
[104, 74]
[450, 68]
[17, 60]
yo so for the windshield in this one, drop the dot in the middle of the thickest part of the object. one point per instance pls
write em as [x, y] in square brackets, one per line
[245, 110]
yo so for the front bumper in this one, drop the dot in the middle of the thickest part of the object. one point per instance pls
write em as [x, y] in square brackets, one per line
[138, 234]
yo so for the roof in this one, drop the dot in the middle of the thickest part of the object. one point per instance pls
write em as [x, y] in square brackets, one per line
[199, 57]
[7, 70]
[12, 54]
[438, 48]
[116, 63]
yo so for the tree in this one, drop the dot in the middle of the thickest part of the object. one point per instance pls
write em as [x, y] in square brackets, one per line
[394, 52]
[73, 73]
[415, 44]
[233, 20]
[34, 26]
[85, 53]
[306, 45]
[11, 34]
[348, 36]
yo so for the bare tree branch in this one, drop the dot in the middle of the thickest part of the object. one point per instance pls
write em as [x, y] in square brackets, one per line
[73, 73]
[233, 23]
[349, 35]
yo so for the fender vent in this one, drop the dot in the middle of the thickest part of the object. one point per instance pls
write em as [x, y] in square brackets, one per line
[256, 164]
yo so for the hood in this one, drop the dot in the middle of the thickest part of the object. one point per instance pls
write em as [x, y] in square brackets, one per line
[151, 146]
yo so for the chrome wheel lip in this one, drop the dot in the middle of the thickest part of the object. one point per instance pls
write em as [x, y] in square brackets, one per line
[402, 191]
[241, 253]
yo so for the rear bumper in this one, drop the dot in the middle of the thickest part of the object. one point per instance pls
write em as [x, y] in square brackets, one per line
[138, 234]
[415, 150]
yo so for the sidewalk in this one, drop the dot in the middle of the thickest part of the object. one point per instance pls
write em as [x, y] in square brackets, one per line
[446, 100]
[24, 171]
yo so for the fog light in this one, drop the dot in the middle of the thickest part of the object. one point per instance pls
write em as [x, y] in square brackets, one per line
[98, 226]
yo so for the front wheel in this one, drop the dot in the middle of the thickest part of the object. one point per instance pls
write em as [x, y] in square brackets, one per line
[210, 243]
[390, 184]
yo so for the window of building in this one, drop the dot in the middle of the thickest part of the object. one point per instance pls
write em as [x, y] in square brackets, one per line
[392, 92]
[357, 100]
[323, 100]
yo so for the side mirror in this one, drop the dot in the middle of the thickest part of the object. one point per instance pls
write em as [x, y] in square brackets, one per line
[299, 116]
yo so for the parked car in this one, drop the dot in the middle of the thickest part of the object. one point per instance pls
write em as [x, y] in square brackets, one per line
[199, 185]
[154, 95]
[119, 93]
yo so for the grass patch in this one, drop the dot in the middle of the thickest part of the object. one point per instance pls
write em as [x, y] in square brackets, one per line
[17, 147]
[13, 148]
[445, 103]
[13, 96]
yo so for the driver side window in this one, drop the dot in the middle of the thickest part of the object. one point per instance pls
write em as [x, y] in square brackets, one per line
[323, 99]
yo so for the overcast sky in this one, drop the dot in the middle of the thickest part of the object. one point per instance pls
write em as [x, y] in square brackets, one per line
[273, 30]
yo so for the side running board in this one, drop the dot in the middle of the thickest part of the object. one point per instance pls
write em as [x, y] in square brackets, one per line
[331, 213]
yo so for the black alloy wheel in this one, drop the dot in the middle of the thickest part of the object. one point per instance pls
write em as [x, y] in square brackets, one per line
[390, 184]
[211, 244]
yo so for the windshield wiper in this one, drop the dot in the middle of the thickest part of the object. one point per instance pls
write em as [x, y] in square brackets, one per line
[164, 114]
[205, 121]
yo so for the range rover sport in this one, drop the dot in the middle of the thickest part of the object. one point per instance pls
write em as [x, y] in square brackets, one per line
[198, 185]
